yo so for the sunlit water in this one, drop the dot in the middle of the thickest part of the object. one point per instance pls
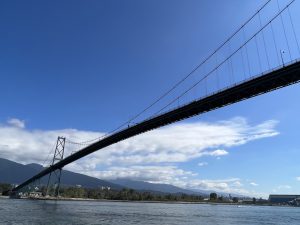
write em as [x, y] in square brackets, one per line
[87, 212]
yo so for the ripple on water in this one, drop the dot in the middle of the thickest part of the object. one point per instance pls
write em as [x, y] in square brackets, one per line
[13, 211]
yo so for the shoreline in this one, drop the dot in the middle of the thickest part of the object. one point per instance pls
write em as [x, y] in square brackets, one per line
[132, 201]
[111, 200]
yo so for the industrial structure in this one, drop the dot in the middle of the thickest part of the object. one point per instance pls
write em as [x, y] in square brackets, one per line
[283, 199]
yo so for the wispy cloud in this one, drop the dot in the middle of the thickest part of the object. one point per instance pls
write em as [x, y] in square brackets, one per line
[16, 123]
[230, 185]
[298, 178]
[218, 152]
[202, 164]
[280, 187]
[167, 175]
[253, 184]
[173, 144]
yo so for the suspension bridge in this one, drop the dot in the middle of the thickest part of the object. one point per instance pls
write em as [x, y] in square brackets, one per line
[260, 56]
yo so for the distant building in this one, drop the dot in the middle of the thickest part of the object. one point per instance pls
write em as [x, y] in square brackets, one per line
[35, 194]
[279, 199]
[105, 188]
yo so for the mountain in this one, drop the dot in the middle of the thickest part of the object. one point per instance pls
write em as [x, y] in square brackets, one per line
[35, 166]
[15, 173]
[165, 188]
[146, 186]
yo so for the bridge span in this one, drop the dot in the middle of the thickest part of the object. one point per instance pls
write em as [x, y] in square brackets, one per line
[272, 80]
[239, 69]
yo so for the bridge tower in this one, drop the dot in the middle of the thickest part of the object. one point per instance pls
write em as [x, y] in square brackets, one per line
[58, 156]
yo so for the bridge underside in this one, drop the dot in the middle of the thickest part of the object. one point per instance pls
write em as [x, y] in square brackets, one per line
[271, 81]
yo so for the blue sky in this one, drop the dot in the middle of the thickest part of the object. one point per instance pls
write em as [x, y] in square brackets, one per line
[80, 68]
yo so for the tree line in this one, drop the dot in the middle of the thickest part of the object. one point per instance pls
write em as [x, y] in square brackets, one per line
[124, 194]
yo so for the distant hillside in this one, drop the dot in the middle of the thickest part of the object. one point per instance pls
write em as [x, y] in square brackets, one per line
[146, 186]
[15, 173]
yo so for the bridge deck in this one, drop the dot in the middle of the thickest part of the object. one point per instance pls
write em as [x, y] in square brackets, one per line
[271, 81]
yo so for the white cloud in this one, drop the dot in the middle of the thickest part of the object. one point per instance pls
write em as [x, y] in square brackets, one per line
[202, 164]
[16, 123]
[218, 153]
[298, 178]
[185, 141]
[231, 185]
[156, 174]
[27, 146]
[167, 175]
[173, 144]
[237, 184]
[154, 156]
[280, 187]
[253, 184]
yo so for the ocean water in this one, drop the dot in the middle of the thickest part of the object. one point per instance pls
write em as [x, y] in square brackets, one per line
[16, 211]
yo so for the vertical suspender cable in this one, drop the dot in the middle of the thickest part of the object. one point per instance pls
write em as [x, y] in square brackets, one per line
[229, 71]
[284, 31]
[230, 64]
[205, 81]
[257, 50]
[295, 36]
[248, 62]
[275, 44]
[265, 46]
[217, 74]
[184, 78]
[243, 63]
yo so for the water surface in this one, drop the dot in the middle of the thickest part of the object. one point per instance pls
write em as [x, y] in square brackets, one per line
[16, 211]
